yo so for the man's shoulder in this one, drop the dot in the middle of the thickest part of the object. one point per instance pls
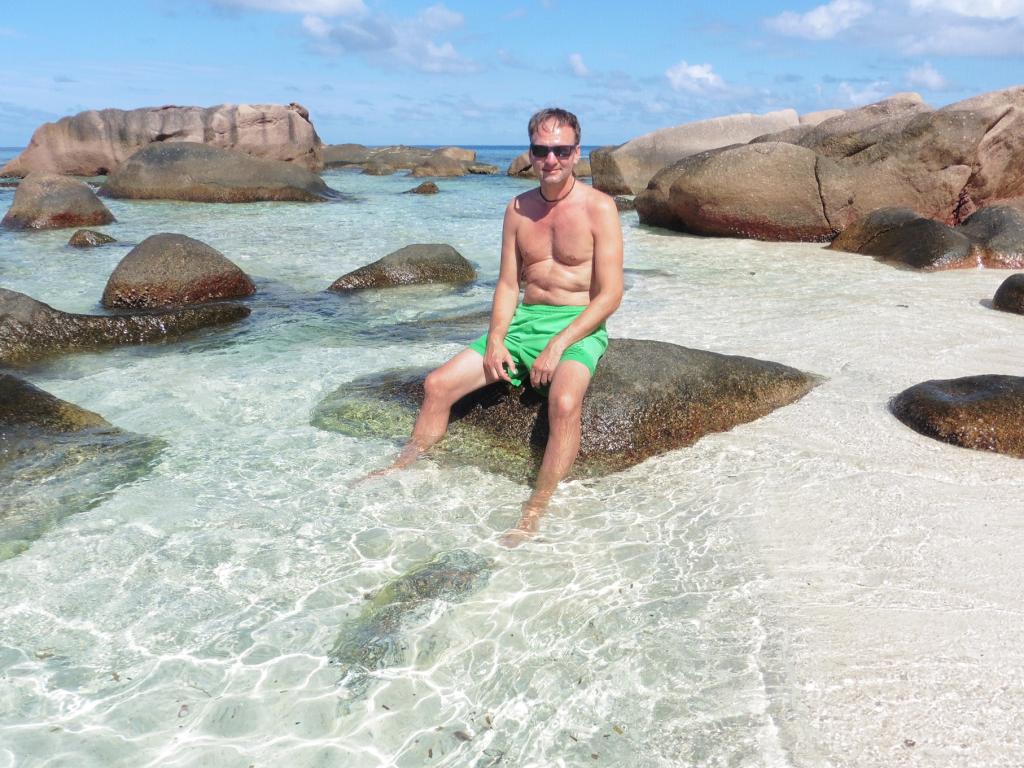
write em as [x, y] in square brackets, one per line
[599, 201]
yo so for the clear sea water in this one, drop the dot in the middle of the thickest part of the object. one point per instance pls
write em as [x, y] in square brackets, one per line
[822, 587]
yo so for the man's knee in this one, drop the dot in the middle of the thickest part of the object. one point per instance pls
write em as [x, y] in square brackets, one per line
[437, 385]
[565, 405]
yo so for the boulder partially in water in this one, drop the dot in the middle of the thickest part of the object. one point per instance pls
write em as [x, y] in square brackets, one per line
[186, 170]
[417, 264]
[426, 188]
[171, 270]
[57, 459]
[1009, 296]
[647, 397]
[31, 330]
[50, 201]
[981, 412]
[89, 238]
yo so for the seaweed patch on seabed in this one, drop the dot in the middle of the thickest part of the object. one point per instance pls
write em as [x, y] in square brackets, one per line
[371, 641]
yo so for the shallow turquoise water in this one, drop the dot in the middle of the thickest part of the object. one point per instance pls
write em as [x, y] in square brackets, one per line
[665, 617]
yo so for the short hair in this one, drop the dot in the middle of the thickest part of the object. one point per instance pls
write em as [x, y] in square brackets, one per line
[560, 116]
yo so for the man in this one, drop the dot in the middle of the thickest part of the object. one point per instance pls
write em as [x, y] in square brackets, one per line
[561, 244]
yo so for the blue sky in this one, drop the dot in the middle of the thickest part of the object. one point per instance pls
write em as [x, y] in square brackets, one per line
[416, 71]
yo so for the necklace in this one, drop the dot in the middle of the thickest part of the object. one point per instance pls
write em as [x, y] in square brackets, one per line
[558, 199]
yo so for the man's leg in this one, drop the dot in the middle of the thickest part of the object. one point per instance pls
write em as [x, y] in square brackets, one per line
[461, 375]
[565, 403]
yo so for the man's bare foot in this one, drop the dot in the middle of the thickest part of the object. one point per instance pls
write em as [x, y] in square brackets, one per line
[529, 523]
[406, 458]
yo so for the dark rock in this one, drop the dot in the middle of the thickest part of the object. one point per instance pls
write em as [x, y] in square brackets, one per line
[439, 166]
[625, 203]
[371, 641]
[426, 188]
[981, 412]
[335, 155]
[167, 270]
[482, 169]
[49, 201]
[87, 238]
[57, 459]
[1010, 295]
[416, 264]
[999, 232]
[899, 235]
[30, 329]
[646, 398]
[196, 172]
[379, 168]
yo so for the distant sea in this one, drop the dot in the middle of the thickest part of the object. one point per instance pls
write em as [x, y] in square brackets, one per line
[822, 586]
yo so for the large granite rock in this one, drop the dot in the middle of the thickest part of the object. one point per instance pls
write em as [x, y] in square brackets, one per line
[57, 459]
[186, 170]
[981, 412]
[626, 169]
[49, 201]
[647, 397]
[30, 329]
[992, 237]
[418, 264]
[398, 157]
[1009, 296]
[168, 270]
[777, 201]
[439, 166]
[95, 143]
[944, 164]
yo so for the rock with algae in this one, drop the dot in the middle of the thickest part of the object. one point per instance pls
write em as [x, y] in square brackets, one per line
[371, 641]
[57, 459]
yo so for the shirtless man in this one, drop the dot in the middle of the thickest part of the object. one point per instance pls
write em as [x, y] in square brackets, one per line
[561, 244]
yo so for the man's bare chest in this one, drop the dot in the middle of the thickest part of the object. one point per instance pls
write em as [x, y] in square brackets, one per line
[564, 240]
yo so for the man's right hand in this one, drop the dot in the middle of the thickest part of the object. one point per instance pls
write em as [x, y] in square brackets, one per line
[496, 358]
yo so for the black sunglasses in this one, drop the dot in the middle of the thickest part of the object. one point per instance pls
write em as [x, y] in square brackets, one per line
[562, 151]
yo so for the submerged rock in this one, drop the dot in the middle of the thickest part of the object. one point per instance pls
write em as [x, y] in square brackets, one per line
[417, 264]
[30, 329]
[57, 459]
[49, 201]
[647, 397]
[186, 170]
[167, 270]
[981, 412]
[371, 641]
[88, 238]
[1010, 295]
[426, 188]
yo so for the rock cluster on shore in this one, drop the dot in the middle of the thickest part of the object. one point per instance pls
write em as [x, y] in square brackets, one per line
[421, 162]
[97, 142]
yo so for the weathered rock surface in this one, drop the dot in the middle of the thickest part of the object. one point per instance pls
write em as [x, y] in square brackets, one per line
[417, 264]
[385, 160]
[426, 188]
[371, 641]
[439, 166]
[482, 169]
[88, 238]
[169, 270]
[625, 203]
[57, 459]
[646, 398]
[49, 201]
[992, 237]
[981, 412]
[627, 168]
[522, 167]
[184, 170]
[30, 329]
[1010, 295]
[944, 164]
[95, 143]
[777, 201]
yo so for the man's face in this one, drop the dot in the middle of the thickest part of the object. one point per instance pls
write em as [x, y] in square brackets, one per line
[552, 168]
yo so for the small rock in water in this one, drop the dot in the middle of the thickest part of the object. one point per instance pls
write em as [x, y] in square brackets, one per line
[1010, 295]
[426, 188]
[463, 736]
[87, 238]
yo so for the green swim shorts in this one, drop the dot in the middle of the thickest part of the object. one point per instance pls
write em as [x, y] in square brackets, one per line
[533, 326]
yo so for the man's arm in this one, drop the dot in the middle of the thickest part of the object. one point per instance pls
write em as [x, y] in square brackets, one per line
[506, 297]
[605, 289]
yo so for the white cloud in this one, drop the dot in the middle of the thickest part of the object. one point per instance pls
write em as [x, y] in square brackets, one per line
[314, 7]
[978, 9]
[965, 40]
[438, 18]
[823, 22]
[693, 78]
[316, 26]
[577, 65]
[927, 77]
[866, 93]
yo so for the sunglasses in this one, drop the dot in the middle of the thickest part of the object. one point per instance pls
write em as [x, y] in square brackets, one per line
[562, 151]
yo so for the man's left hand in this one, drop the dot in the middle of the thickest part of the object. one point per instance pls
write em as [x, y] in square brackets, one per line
[542, 372]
